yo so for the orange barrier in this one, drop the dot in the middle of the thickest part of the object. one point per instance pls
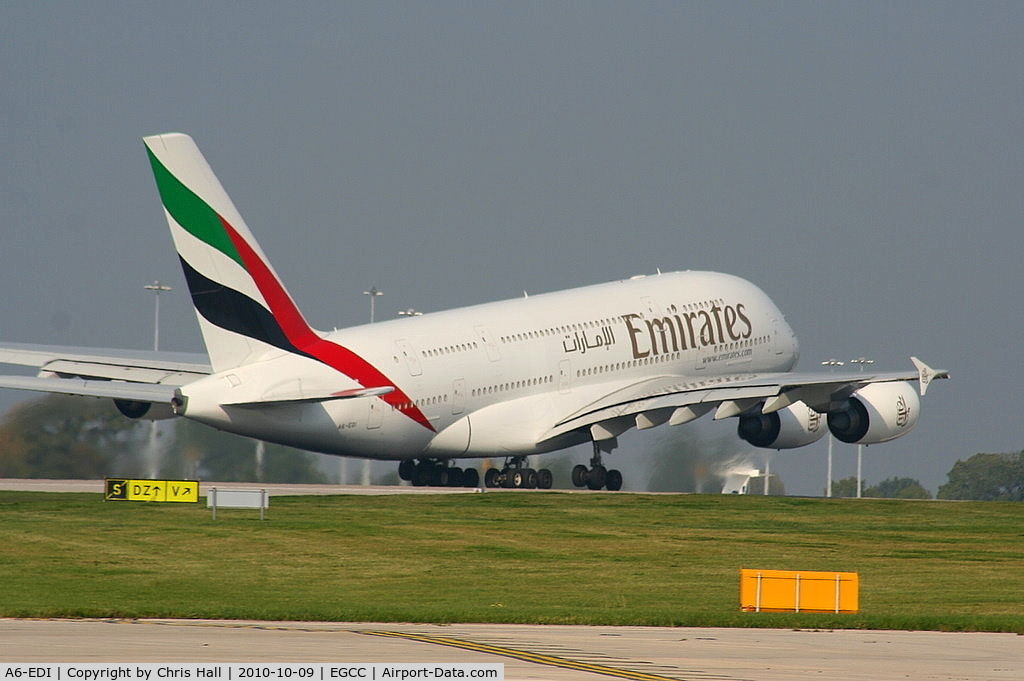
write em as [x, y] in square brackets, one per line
[792, 591]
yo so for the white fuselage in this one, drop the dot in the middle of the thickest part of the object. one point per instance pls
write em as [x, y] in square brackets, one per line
[490, 378]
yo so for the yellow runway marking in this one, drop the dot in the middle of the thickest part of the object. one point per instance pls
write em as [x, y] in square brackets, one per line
[527, 656]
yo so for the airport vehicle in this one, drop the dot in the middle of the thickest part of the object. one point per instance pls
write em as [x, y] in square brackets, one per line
[507, 380]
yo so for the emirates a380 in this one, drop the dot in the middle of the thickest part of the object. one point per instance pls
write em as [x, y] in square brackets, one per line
[506, 380]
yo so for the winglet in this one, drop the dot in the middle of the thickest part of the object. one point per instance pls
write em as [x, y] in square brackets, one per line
[926, 374]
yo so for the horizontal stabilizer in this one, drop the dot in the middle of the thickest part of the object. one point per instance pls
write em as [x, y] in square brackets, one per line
[148, 366]
[310, 399]
[120, 390]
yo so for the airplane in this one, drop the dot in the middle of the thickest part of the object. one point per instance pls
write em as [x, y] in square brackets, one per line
[510, 379]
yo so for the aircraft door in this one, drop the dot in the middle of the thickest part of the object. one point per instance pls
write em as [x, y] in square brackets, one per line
[493, 354]
[652, 307]
[700, 358]
[375, 418]
[458, 396]
[778, 345]
[412, 361]
[564, 376]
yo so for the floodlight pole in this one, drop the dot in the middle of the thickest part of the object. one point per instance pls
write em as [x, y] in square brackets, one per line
[152, 454]
[831, 364]
[157, 288]
[373, 293]
[860, 448]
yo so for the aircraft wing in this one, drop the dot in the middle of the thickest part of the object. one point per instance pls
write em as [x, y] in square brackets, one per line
[677, 399]
[122, 374]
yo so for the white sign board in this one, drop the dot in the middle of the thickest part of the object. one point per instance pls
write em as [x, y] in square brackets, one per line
[237, 498]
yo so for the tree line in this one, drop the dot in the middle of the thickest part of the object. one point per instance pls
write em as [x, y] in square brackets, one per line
[65, 437]
[982, 477]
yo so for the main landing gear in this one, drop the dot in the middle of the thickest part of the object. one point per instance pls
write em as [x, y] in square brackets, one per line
[597, 476]
[514, 476]
[434, 473]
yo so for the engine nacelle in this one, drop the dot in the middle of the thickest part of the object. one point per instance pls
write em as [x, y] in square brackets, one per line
[878, 412]
[794, 426]
[134, 409]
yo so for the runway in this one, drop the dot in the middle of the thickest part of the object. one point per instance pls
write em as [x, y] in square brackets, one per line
[273, 489]
[554, 653]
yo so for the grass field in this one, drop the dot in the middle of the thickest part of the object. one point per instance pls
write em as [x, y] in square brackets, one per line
[561, 558]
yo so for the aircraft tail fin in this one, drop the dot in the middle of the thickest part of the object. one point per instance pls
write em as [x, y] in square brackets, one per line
[243, 308]
[240, 302]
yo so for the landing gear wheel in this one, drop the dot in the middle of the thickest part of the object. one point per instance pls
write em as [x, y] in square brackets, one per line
[545, 479]
[422, 476]
[455, 477]
[470, 478]
[515, 478]
[530, 478]
[491, 477]
[407, 469]
[579, 475]
[613, 481]
[597, 476]
[427, 472]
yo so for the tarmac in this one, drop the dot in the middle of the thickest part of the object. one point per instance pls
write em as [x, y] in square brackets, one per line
[554, 653]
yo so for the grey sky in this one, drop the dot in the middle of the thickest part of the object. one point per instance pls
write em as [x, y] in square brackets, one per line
[861, 162]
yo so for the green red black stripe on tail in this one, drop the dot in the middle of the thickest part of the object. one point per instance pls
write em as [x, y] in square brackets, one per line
[282, 325]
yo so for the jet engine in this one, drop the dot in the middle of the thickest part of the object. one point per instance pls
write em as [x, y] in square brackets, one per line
[878, 412]
[794, 426]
